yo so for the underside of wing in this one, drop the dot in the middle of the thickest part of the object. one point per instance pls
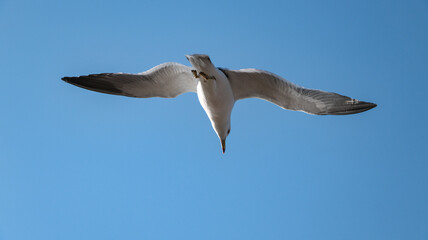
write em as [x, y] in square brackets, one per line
[166, 80]
[247, 83]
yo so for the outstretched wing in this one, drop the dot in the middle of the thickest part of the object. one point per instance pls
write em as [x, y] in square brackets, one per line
[247, 83]
[166, 80]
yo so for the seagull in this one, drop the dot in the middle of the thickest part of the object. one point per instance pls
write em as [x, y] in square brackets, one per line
[218, 89]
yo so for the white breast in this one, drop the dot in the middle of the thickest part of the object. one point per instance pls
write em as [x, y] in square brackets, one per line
[216, 96]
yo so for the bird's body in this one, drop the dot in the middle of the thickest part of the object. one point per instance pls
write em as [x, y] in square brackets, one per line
[216, 97]
[219, 89]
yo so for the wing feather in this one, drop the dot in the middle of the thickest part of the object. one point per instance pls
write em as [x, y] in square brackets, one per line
[166, 80]
[247, 83]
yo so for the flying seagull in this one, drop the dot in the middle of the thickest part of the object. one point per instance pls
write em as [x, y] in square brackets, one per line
[218, 89]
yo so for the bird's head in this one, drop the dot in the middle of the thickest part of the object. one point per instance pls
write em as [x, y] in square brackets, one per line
[222, 130]
[199, 61]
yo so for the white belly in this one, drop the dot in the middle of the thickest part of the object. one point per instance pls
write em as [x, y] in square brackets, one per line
[216, 97]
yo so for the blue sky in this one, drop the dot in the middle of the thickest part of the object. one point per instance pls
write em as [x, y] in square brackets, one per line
[76, 164]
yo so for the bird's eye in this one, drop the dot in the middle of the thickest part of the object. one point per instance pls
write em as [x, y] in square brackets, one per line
[228, 131]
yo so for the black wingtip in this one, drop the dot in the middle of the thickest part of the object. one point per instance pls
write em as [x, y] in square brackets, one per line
[369, 105]
[95, 82]
[358, 107]
[372, 105]
[361, 107]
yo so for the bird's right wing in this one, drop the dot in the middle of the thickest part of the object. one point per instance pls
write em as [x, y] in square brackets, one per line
[247, 83]
[166, 80]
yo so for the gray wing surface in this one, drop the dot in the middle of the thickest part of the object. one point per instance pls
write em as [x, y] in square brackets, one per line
[248, 83]
[166, 80]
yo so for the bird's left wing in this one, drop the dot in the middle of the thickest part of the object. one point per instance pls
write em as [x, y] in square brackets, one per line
[247, 83]
[166, 80]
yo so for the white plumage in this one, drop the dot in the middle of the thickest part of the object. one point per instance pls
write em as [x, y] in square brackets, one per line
[218, 89]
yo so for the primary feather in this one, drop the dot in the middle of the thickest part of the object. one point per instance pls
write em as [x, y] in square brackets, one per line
[166, 80]
[247, 83]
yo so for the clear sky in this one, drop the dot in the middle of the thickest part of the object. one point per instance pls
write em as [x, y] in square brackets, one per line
[76, 164]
